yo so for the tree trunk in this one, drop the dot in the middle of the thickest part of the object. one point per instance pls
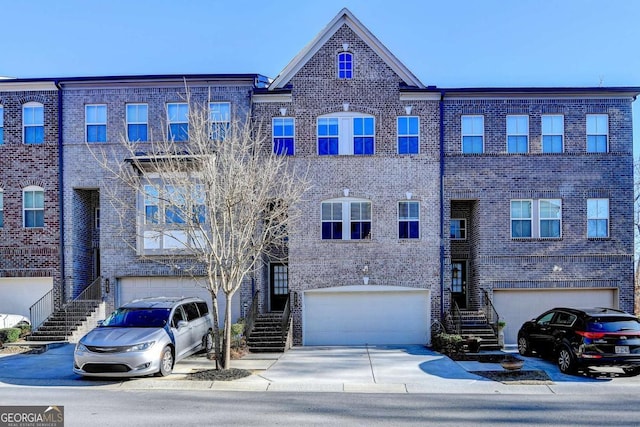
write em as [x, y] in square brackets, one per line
[227, 333]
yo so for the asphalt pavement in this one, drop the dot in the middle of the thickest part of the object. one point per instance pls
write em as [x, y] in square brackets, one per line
[360, 369]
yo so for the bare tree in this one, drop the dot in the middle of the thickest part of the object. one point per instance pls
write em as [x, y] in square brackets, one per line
[215, 207]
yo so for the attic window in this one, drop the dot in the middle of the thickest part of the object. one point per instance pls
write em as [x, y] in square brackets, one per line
[345, 65]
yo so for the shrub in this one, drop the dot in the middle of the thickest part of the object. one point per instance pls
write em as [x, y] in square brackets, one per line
[9, 334]
[237, 329]
[449, 344]
[25, 329]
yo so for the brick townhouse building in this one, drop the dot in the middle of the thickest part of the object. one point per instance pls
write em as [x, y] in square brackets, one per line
[424, 200]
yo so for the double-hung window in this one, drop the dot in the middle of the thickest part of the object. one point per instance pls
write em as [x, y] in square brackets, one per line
[518, 134]
[284, 129]
[409, 220]
[597, 133]
[219, 120]
[550, 218]
[346, 219]
[521, 218]
[1, 124]
[178, 121]
[137, 122]
[552, 133]
[346, 134]
[33, 123]
[597, 218]
[408, 134]
[33, 207]
[472, 134]
[345, 65]
[458, 229]
[95, 117]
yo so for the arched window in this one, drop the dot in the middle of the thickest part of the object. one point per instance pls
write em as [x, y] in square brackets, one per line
[33, 207]
[33, 123]
[345, 65]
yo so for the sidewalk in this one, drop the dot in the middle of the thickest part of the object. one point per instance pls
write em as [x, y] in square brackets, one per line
[368, 369]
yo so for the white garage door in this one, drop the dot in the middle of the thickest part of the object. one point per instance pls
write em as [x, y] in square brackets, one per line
[17, 294]
[358, 315]
[518, 306]
[130, 288]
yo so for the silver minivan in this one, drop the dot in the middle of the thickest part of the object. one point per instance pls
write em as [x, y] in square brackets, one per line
[146, 336]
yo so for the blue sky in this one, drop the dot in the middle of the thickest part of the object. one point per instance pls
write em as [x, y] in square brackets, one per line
[448, 43]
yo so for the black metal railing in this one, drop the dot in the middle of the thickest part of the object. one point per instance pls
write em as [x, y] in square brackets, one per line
[91, 294]
[251, 316]
[286, 314]
[457, 317]
[40, 310]
[490, 311]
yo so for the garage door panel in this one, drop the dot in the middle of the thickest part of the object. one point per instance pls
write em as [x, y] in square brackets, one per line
[518, 306]
[366, 317]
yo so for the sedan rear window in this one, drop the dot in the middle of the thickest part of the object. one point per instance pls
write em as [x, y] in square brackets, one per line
[613, 325]
[137, 318]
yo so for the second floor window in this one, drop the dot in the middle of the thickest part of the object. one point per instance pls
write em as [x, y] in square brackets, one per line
[219, 120]
[472, 134]
[346, 219]
[137, 122]
[597, 133]
[552, 133]
[550, 218]
[33, 123]
[597, 218]
[178, 121]
[518, 134]
[521, 218]
[284, 135]
[409, 220]
[1, 124]
[536, 218]
[33, 207]
[408, 135]
[346, 134]
[96, 123]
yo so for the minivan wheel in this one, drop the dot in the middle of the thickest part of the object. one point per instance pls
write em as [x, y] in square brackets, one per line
[207, 342]
[523, 346]
[566, 361]
[166, 362]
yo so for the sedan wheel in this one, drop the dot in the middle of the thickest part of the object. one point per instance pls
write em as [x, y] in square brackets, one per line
[523, 346]
[166, 362]
[566, 361]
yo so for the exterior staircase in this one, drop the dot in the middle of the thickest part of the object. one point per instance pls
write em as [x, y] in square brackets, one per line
[70, 322]
[267, 334]
[475, 323]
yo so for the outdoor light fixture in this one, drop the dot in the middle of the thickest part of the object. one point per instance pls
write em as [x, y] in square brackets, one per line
[107, 285]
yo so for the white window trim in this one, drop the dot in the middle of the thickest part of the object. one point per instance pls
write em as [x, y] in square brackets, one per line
[553, 132]
[223, 121]
[597, 134]
[31, 104]
[346, 218]
[146, 123]
[462, 134]
[409, 219]
[462, 221]
[177, 122]
[32, 188]
[273, 137]
[536, 219]
[540, 219]
[351, 57]
[345, 132]
[398, 136]
[87, 123]
[517, 133]
[608, 218]
[531, 219]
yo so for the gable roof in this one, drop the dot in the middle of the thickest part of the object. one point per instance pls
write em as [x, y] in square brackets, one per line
[342, 18]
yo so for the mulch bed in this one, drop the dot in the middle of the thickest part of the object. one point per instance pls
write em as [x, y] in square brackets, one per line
[230, 374]
[516, 377]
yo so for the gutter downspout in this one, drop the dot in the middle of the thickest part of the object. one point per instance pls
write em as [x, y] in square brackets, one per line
[61, 192]
[441, 120]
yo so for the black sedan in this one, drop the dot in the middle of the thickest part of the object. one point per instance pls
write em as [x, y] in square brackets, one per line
[579, 338]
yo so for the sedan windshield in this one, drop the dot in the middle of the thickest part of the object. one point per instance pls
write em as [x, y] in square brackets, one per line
[613, 325]
[138, 318]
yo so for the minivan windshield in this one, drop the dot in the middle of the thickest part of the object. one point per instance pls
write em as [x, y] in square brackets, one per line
[129, 317]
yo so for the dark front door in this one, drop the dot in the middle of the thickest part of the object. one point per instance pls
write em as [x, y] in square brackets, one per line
[459, 283]
[278, 286]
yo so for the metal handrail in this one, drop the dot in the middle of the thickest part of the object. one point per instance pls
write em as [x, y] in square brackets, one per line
[286, 313]
[457, 317]
[93, 292]
[251, 315]
[490, 312]
[40, 310]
